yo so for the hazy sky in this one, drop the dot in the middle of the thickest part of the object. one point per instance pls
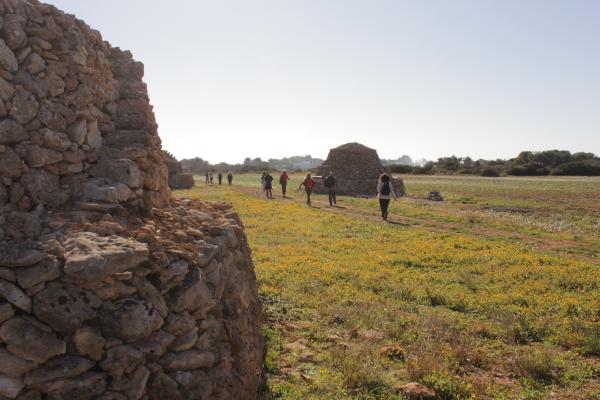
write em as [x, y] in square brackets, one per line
[272, 78]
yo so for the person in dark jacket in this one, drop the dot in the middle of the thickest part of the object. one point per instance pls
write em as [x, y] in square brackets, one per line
[385, 193]
[207, 178]
[230, 178]
[220, 178]
[329, 183]
[269, 185]
[308, 184]
[283, 181]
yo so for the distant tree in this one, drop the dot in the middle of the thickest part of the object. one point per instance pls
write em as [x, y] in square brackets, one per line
[524, 157]
[490, 172]
[552, 158]
[579, 168]
[401, 168]
[533, 168]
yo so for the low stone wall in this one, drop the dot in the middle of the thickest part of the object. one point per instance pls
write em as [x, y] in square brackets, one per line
[163, 308]
[109, 289]
[177, 179]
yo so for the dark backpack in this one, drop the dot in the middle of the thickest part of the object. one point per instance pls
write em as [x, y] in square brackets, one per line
[386, 189]
[329, 181]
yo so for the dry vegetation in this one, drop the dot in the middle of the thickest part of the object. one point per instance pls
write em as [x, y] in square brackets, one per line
[474, 298]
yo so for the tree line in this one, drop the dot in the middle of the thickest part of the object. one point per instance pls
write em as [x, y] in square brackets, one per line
[527, 163]
[296, 163]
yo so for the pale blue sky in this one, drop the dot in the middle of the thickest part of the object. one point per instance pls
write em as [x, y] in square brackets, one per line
[427, 78]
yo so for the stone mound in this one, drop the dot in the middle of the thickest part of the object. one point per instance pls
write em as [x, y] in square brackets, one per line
[109, 289]
[357, 169]
[177, 179]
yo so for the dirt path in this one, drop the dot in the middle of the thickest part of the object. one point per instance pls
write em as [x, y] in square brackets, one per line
[564, 248]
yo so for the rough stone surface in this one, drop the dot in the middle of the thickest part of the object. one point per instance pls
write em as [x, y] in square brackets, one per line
[177, 179]
[357, 169]
[109, 289]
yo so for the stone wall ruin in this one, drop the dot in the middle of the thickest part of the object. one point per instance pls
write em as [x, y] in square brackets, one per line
[357, 169]
[109, 289]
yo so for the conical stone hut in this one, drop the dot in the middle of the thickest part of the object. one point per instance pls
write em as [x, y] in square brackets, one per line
[357, 169]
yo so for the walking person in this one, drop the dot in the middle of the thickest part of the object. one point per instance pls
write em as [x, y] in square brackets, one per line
[308, 184]
[211, 178]
[220, 178]
[385, 193]
[269, 185]
[283, 181]
[230, 178]
[206, 176]
[329, 183]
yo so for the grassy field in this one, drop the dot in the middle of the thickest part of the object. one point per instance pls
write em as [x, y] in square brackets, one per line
[493, 293]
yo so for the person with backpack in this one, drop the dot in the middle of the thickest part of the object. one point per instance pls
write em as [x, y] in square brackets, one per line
[220, 178]
[229, 178]
[385, 193]
[211, 178]
[308, 184]
[329, 183]
[269, 185]
[283, 181]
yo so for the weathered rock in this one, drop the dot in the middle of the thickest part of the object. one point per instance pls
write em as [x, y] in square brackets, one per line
[121, 170]
[188, 360]
[13, 257]
[163, 387]
[29, 341]
[10, 387]
[78, 131]
[10, 164]
[14, 295]
[7, 90]
[6, 311]
[25, 106]
[416, 391]
[8, 61]
[130, 319]
[106, 191]
[191, 294]
[58, 368]
[84, 387]
[65, 307]
[35, 64]
[89, 342]
[13, 366]
[90, 258]
[122, 360]
[37, 156]
[11, 132]
[43, 272]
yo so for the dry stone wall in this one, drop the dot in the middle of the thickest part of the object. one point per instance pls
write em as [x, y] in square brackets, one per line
[357, 169]
[109, 289]
[177, 179]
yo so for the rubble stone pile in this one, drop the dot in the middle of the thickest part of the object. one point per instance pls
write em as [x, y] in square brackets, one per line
[109, 289]
[177, 179]
[357, 169]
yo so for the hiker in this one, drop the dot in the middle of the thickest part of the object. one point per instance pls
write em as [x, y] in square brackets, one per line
[206, 176]
[229, 178]
[220, 178]
[329, 183]
[385, 193]
[308, 184]
[211, 178]
[283, 181]
[269, 185]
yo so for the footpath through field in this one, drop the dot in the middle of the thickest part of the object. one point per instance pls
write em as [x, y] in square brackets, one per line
[565, 248]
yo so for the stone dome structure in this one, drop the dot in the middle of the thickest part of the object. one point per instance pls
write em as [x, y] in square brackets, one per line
[357, 169]
[109, 289]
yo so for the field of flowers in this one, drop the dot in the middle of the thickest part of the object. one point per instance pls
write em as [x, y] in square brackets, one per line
[356, 308]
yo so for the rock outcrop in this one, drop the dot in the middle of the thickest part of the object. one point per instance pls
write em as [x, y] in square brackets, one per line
[357, 169]
[177, 179]
[109, 289]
